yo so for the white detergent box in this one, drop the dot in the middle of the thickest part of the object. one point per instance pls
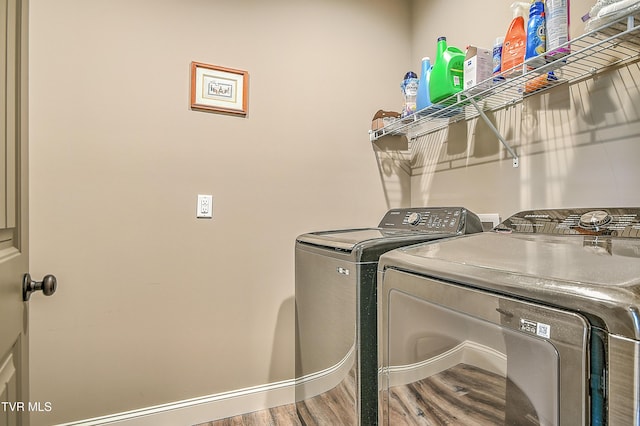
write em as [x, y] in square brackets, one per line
[478, 68]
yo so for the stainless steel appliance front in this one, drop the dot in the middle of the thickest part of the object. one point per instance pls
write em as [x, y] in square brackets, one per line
[462, 356]
[562, 273]
[336, 315]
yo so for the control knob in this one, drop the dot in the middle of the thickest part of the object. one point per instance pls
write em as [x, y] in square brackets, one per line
[414, 218]
[593, 220]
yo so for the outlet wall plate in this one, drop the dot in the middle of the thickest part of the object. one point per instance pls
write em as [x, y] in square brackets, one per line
[204, 207]
[489, 220]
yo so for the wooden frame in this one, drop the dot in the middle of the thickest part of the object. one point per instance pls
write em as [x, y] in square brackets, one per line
[219, 89]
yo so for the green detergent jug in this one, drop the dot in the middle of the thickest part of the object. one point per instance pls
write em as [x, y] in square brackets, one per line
[447, 72]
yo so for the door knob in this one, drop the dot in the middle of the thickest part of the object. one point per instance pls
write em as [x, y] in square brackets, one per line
[48, 286]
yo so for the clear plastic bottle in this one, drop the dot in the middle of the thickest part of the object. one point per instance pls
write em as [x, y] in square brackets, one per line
[409, 88]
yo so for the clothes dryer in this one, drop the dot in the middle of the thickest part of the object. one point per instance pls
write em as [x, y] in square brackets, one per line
[535, 323]
[335, 337]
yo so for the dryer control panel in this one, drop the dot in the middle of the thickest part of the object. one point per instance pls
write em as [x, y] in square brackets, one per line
[432, 219]
[615, 222]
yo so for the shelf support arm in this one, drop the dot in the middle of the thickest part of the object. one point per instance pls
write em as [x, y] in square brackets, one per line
[516, 161]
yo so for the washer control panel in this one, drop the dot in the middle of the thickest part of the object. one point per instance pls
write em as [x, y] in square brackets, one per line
[432, 219]
[617, 222]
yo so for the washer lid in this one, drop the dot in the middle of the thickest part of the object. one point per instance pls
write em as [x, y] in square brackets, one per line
[347, 239]
[590, 274]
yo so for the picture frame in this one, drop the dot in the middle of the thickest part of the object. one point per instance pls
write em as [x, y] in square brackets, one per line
[219, 89]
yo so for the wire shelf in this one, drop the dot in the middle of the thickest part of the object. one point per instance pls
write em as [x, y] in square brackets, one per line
[611, 45]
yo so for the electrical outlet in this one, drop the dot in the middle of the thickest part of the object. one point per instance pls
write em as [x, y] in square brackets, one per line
[489, 220]
[204, 209]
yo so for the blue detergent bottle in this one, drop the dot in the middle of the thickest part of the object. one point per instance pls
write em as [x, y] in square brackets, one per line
[497, 60]
[536, 35]
[423, 100]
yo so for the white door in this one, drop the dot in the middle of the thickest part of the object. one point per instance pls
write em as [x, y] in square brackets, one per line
[14, 250]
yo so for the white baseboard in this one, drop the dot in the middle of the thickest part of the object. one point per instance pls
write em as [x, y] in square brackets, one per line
[203, 409]
[467, 352]
[228, 404]
[323, 381]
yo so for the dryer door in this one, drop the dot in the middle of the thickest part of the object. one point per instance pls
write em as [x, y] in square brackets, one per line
[452, 354]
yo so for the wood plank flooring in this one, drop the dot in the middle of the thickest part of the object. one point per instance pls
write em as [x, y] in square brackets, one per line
[279, 416]
[462, 395]
[335, 407]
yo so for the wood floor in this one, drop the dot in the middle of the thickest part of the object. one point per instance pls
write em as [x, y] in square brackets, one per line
[461, 395]
[333, 408]
[280, 416]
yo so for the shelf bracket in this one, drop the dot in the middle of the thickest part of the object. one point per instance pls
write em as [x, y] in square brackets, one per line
[516, 161]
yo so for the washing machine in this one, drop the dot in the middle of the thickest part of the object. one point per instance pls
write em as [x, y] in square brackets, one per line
[336, 363]
[534, 323]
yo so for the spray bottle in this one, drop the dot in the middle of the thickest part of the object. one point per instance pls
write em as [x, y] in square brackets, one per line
[515, 42]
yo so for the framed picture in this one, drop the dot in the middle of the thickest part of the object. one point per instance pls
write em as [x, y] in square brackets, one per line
[219, 89]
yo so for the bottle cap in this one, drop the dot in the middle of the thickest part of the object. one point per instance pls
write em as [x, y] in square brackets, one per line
[410, 74]
[442, 38]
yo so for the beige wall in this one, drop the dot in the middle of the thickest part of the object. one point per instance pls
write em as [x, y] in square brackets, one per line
[155, 306]
[578, 144]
